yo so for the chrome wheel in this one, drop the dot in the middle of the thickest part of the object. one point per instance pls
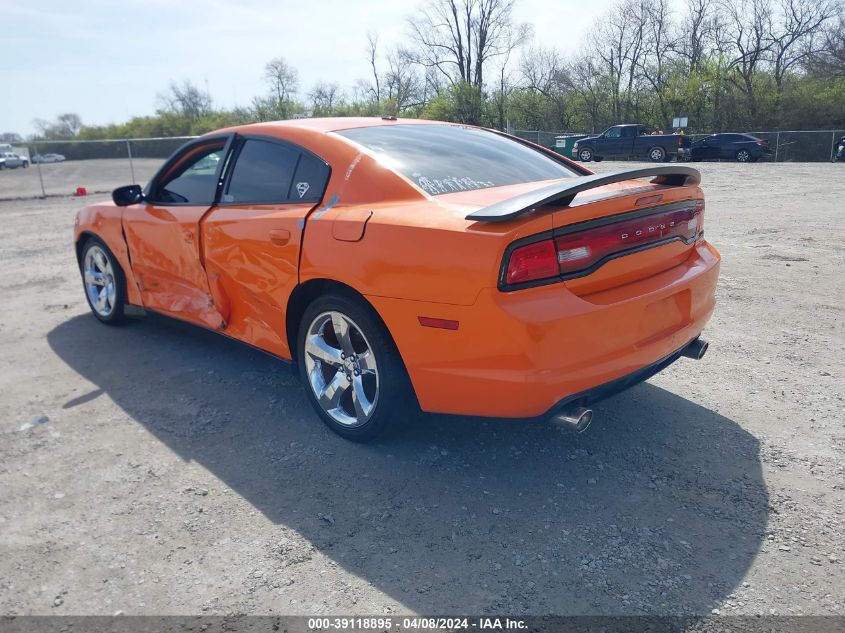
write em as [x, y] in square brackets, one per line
[99, 281]
[743, 156]
[341, 369]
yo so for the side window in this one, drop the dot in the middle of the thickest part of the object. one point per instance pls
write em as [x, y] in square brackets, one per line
[263, 173]
[629, 132]
[613, 132]
[193, 180]
[309, 183]
[268, 173]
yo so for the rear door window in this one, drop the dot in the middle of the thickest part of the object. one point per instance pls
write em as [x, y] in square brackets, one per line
[267, 172]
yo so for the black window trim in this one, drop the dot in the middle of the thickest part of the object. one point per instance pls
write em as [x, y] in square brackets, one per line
[241, 141]
[178, 155]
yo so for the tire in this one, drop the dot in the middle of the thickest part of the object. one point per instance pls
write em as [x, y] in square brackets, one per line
[103, 282]
[585, 155]
[743, 156]
[657, 154]
[359, 388]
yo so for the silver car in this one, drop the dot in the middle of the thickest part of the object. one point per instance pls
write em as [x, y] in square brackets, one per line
[10, 160]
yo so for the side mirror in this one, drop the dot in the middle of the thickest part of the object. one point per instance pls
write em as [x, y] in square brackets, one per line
[130, 194]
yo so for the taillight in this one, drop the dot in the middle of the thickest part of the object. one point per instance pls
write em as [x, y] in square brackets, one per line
[762, 142]
[573, 253]
[532, 262]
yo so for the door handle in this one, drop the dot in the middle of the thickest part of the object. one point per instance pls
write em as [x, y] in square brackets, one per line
[279, 237]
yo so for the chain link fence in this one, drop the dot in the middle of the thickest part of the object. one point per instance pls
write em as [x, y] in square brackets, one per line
[810, 146]
[64, 168]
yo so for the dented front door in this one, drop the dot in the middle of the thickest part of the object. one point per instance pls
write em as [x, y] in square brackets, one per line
[164, 234]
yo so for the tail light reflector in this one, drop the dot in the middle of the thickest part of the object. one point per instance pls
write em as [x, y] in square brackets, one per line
[578, 252]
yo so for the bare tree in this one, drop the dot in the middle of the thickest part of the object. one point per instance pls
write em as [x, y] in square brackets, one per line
[459, 37]
[591, 85]
[186, 99]
[830, 58]
[282, 79]
[70, 123]
[619, 42]
[65, 127]
[402, 83]
[794, 37]
[746, 35]
[661, 45]
[372, 55]
[324, 97]
[698, 26]
[543, 70]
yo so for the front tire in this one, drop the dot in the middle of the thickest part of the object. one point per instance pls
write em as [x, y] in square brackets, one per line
[585, 155]
[351, 369]
[104, 282]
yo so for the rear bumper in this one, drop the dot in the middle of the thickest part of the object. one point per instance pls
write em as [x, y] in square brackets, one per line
[597, 394]
[522, 354]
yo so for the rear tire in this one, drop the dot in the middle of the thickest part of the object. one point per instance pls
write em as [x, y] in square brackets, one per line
[351, 370]
[743, 156]
[657, 155]
[103, 281]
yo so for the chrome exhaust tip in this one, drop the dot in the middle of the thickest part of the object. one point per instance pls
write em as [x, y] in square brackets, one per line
[696, 349]
[574, 418]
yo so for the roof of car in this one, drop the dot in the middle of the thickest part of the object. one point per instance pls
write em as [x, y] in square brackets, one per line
[333, 124]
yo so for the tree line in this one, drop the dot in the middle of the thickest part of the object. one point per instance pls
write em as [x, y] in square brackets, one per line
[724, 64]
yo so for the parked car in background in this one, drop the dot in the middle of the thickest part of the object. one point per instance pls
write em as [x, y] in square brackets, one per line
[629, 141]
[742, 148]
[839, 152]
[10, 160]
[47, 158]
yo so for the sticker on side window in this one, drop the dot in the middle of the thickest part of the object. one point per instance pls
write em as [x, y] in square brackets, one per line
[302, 188]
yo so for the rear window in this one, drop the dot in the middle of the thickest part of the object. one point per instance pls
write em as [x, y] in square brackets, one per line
[447, 158]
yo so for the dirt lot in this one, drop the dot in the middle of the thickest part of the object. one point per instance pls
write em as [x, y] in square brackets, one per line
[158, 468]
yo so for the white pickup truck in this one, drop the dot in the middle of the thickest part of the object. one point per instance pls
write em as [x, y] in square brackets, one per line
[10, 160]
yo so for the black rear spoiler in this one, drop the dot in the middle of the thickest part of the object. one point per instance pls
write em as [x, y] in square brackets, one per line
[564, 192]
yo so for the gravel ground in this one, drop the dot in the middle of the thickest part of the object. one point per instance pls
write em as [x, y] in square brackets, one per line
[158, 468]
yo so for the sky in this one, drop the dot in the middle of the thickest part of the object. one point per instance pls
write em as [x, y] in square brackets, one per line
[107, 60]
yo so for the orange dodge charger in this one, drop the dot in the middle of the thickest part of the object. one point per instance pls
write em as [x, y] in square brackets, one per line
[402, 261]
